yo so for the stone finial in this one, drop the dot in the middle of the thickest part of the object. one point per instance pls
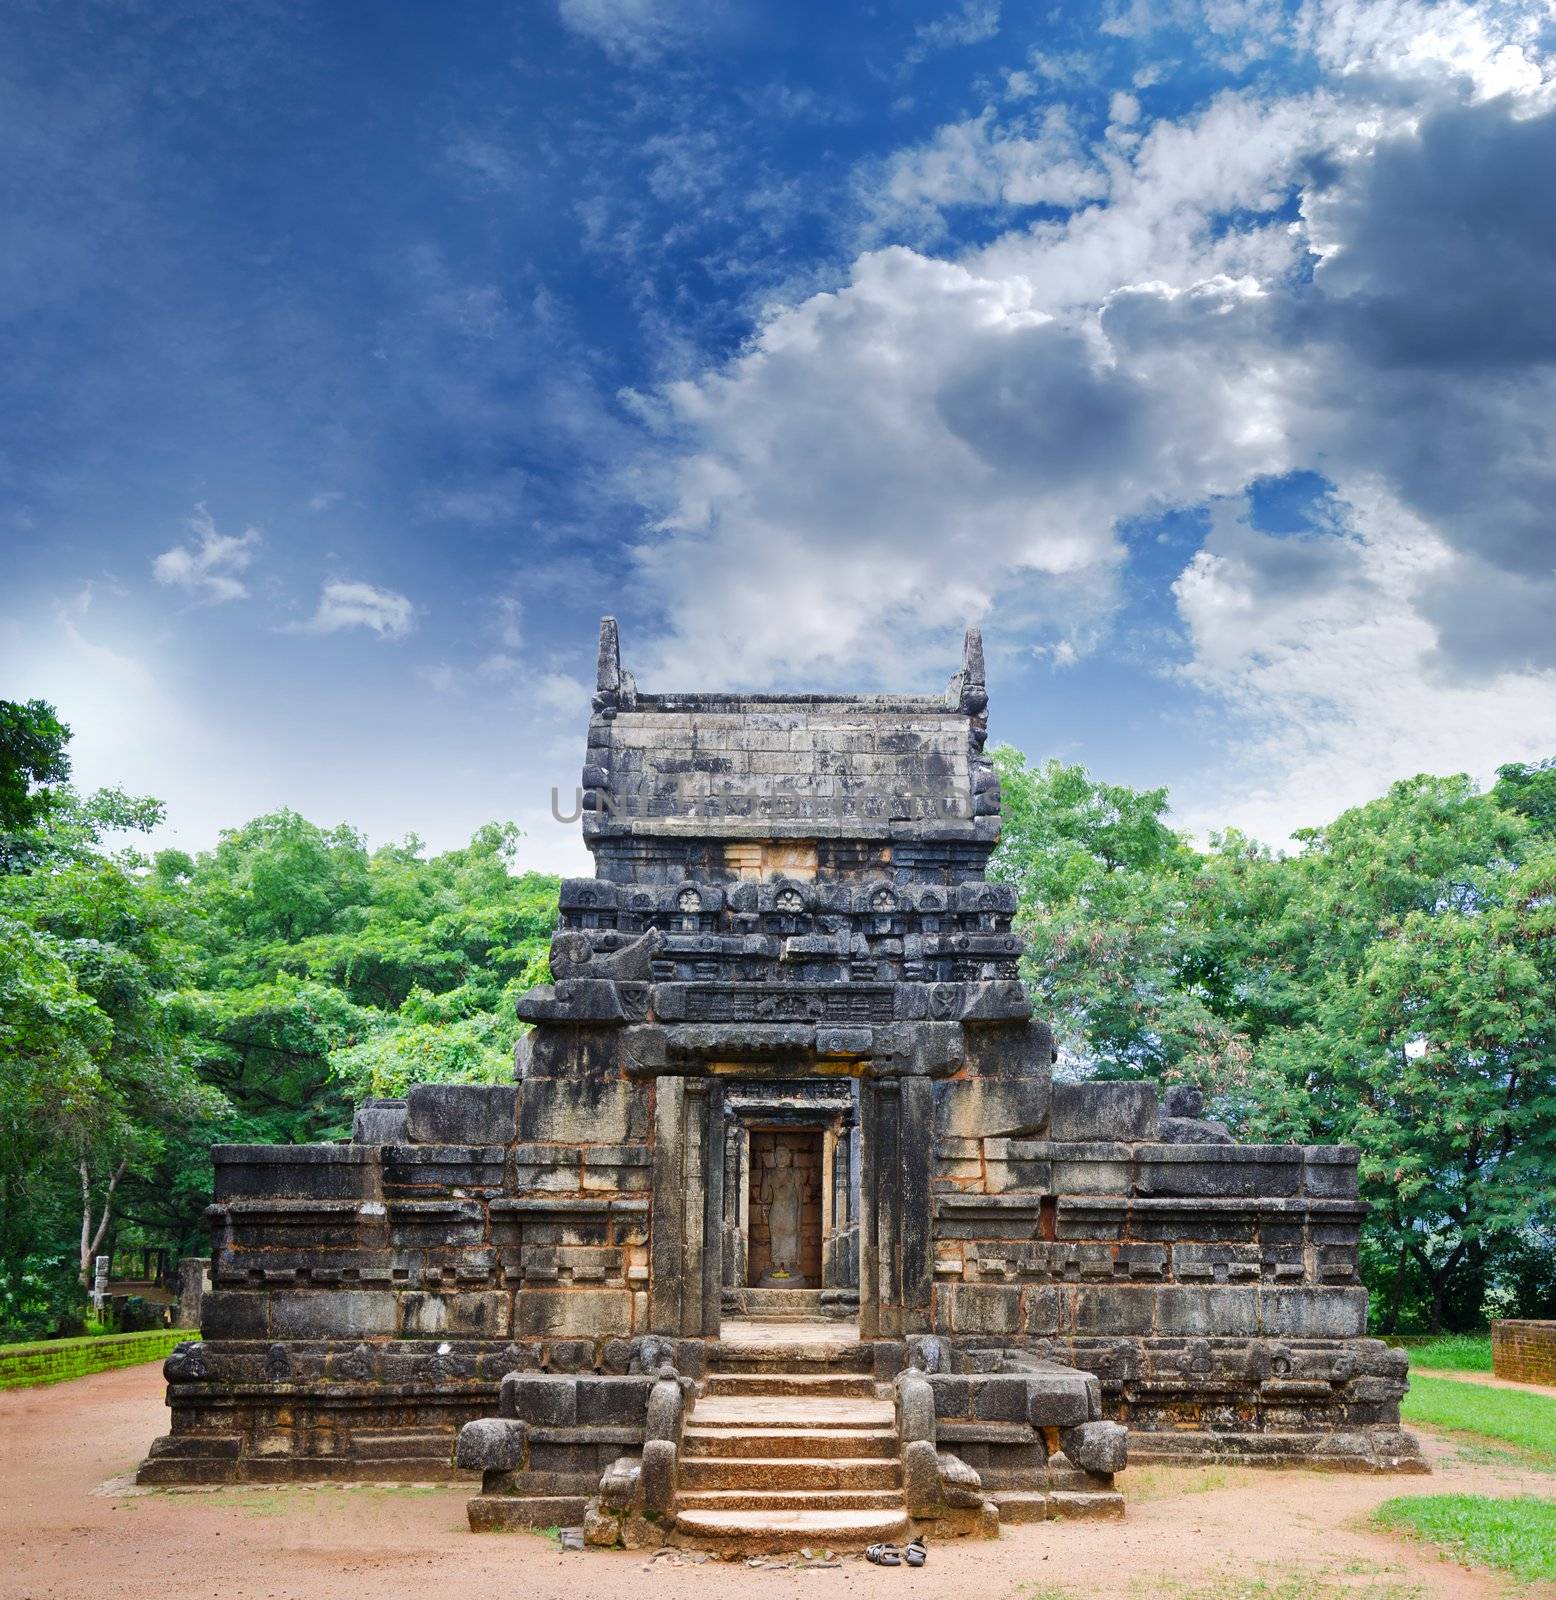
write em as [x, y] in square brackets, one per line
[972, 658]
[608, 680]
[614, 689]
[968, 691]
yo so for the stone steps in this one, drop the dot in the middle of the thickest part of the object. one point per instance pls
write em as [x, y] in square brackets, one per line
[788, 1410]
[774, 1305]
[758, 1532]
[790, 1472]
[789, 1445]
[820, 1385]
[794, 1443]
[858, 1358]
[807, 1499]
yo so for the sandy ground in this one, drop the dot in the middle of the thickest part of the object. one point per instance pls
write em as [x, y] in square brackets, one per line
[71, 1526]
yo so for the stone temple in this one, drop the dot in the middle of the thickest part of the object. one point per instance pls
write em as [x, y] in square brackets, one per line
[783, 1233]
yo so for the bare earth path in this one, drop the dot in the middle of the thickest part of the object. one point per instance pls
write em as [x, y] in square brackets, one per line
[63, 1535]
[1486, 1379]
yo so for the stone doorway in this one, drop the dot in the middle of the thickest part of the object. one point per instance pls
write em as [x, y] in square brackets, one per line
[785, 1209]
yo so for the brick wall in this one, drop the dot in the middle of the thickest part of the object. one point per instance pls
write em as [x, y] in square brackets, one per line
[1524, 1352]
[54, 1360]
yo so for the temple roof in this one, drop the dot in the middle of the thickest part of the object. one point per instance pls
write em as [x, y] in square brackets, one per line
[789, 766]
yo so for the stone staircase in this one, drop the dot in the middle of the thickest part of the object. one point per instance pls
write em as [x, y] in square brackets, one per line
[790, 1445]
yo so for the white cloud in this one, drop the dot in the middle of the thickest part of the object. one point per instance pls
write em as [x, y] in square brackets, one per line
[1328, 669]
[359, 605]
[208, 569]
[508, 621]
[1035, 160]
[971, 22]
[641, 30]
[940, 441]
[562, 696]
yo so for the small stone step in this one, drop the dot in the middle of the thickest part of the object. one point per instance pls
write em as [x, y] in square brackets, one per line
[796, 1411]
[1020, 1505]
[1102, 1504]
[774, 1305]
[793, 1443]
[819, 1386]
[810, 1499]
[777, 1346]
[801, 1472]
[499, 1513]
[756, 1532]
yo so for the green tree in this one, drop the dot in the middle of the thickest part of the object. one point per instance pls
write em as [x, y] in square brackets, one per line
[131, 1091]
[1106, 891]
[33, 760]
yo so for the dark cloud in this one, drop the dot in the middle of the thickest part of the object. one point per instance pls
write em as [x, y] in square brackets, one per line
[1038, 406]
[1447, 239]
[1438, 305]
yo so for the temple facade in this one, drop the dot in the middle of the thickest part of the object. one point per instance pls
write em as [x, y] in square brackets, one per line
[783, 1135]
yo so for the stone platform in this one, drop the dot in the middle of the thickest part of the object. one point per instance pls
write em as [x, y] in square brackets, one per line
[786, 1041]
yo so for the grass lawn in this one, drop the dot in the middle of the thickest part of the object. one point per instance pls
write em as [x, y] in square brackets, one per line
[1516, 1536]
[1485, 1415]
[1450, 1352]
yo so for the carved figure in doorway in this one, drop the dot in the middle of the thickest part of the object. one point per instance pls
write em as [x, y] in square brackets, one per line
[783, 1219]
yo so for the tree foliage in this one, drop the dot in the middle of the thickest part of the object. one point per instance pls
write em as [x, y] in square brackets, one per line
[33, 760]
[1390, 985]
[251, 993]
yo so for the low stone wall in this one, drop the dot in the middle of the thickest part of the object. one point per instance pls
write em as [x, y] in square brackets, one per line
[1524, 1352]
[54, 1360]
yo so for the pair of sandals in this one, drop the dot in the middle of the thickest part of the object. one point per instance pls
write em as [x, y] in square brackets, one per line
[888, 1555]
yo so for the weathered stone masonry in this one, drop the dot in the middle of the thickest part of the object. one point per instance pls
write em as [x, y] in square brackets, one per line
[790, 943]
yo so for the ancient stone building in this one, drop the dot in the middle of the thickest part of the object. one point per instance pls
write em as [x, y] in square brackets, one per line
[784, 1217]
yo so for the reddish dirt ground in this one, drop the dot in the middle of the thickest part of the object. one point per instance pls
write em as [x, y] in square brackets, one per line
[72, 1526]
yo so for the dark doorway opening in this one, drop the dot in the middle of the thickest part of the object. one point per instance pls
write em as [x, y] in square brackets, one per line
[785, 1209]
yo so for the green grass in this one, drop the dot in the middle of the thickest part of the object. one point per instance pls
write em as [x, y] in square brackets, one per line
[1486, 1416]
[1450, 1352]
[44, 1361]
[1516, 1536]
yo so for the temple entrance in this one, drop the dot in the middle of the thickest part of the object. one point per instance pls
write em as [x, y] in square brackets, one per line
[785, 1209]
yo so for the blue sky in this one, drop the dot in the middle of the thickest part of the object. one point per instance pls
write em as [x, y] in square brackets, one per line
[354, 360]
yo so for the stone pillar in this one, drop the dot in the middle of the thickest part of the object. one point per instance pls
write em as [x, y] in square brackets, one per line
[693, 1198]
[713, 1209]
[915, 1243]
[869, 1253]
[667, 1236]
[737, 1149]
[887, 1198]
[194, 1278]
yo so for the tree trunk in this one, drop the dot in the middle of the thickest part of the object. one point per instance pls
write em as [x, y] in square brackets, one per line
[1439, 1288]
[90, 1240]
[1396, 1290]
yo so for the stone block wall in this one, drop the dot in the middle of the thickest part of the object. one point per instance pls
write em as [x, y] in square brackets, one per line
[368, 1298]
[1524, 1351]
[1212, 1287]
